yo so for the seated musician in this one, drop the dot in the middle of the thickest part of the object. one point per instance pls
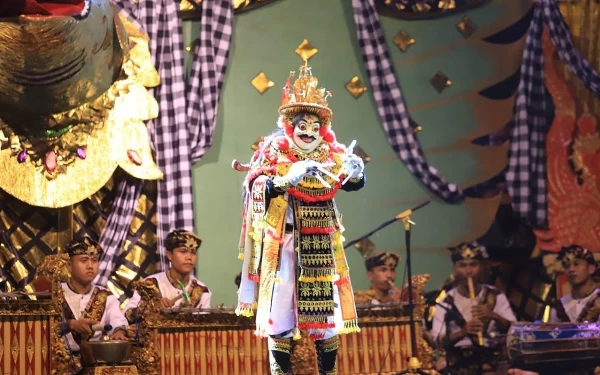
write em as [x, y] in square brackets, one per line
[583, 303]
[88, 305]
[381, 271]
[178, 286]
[476, 316]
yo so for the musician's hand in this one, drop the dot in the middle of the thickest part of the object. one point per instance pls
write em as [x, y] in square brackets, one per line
[82, 326]
[516, 371]
[118, 335]
[166, 303]
[473, 327]
[482, 312]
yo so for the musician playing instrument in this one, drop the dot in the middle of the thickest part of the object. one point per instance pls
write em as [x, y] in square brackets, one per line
[476, 314]
[86, 305]
[177, 285]
[381, 272]
[583, 303]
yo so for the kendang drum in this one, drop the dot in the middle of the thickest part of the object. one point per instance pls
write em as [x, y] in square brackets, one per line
[541, 346]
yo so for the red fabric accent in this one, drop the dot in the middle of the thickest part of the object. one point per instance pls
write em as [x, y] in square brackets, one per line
[254, 277]
[327, 134]
[342, 281]
[270, 321]
[288, 129]
[317, 336]
[266, 170]
[315, 325]
[326, 230]
[13, 8]
[282, 144]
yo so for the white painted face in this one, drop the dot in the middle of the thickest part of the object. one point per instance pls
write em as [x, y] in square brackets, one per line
[306, 132]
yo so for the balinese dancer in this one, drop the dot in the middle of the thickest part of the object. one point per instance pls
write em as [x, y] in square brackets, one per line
[295, 276]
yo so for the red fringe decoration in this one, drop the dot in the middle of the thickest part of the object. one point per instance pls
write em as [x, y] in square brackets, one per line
[254, 277]
[318, 198]
[302, 326]
[327, 230]
[317, 336]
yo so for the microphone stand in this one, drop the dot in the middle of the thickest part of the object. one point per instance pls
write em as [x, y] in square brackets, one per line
[414, 365]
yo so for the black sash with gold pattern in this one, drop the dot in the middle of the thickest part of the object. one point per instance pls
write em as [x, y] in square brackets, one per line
[93, 311]
[317, 265]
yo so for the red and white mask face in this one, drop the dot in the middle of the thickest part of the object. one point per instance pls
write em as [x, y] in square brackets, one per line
[306, 135]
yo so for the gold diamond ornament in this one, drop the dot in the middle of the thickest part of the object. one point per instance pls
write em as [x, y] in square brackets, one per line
[365, 247]
[358, 151]
[440, 82]
[262, 83]
[355, 87]
[466, 27]
[403, 41]
[306, 50]
[256, 143]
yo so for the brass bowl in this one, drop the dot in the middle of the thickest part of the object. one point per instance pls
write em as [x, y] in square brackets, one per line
[108, 352]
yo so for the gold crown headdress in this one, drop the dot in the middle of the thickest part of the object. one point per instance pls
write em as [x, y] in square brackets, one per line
[179, 238]
[387, 259]
[468, 250]
[570, 253]
[305, 96]
[84, 246]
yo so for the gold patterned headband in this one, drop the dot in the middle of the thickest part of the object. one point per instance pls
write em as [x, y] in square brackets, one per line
[382, 259]
[84, 246]
[178, 238]
[468, 250]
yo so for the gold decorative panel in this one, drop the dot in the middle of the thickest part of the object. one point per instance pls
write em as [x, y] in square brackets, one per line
[306, 50]
[403, 40]
[262, 83]
[356, 87]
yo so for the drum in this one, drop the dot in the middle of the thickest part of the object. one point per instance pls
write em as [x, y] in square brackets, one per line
[548, 346]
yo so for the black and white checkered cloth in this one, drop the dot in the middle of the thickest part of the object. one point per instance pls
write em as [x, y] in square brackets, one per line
[390, 103]
[526, 175]
[117, 224]
[169, 135]
[211, 55]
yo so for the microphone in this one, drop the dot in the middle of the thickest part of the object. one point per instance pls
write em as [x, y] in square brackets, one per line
[409, 212]
[100, 327]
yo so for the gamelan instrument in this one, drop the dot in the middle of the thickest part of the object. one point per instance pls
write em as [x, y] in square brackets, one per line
[542, 346]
